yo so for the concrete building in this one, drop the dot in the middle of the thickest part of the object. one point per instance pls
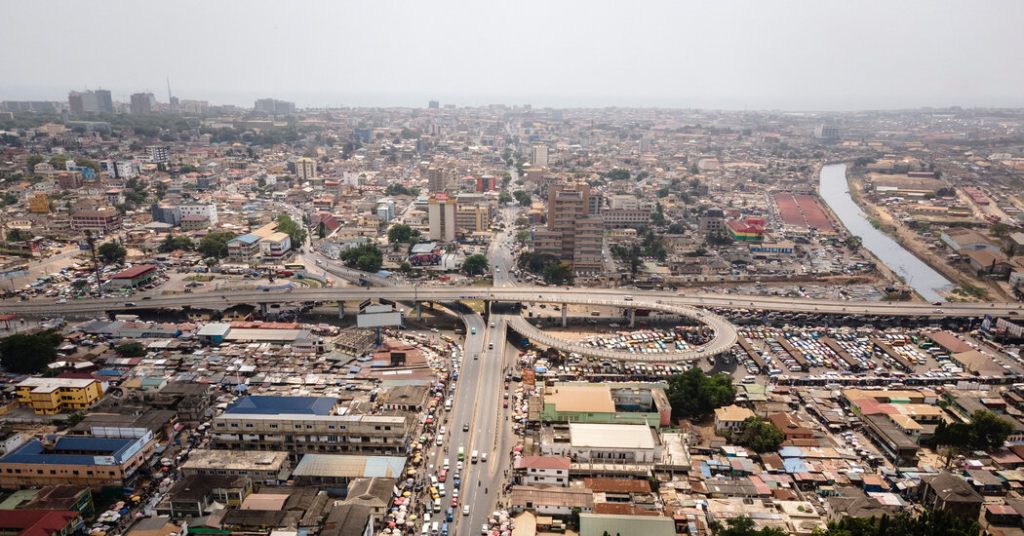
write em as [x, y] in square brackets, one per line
[604, 443]
[90, 102]
[436, 180]
[729, 419]
[260, 466]
[946, 491]
[649, 525]
[38, 203]
[605, 404]
[300, 425]
[142, 103]
[472, 218]
[543, 470]
[441, 218]
[274, 106]
[96, 462]
[50, 396]
[573, 235]
[539, 156]
[337, 471]
[158, 154]
[305, 168]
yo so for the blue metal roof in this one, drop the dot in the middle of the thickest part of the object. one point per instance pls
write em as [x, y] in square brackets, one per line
[277, 405]
[71, 450]
[247, 238]
[795, 465]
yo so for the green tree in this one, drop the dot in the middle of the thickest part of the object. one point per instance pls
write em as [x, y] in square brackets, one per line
[522, 236]
[987, 431]
[475, 265]
[296, 233]
[932, 523]
[33, 159]
[18, 235]
[29, 353]
[176, 243]
[557, 273]
[999, 229]
[400, 189]
[744, 526]
[853, 242]
[215, 244]
[658, 217]
[759, 435]
[617, 175]
[402, 234]
[366, 257]
[111, 252]
[130, 349]
[694, 394]
[504, 197]
[523, 197]
[58, 161]
[629, 255]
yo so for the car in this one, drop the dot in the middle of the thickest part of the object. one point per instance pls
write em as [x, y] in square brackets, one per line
[465, 427]
[465, 509]
[129, 304]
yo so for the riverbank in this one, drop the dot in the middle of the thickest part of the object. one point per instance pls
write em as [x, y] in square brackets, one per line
[834, 189]
[909, 241]
[888, 276]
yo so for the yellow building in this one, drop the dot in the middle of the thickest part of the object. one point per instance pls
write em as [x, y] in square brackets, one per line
[50, 396]
[39, 203]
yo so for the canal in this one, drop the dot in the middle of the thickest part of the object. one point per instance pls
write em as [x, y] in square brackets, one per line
[921, 277]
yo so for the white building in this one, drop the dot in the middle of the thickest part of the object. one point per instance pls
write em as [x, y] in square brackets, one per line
[305, 168]
[543, 470]
[606, 443]
[539, 156]
[158, 154]
[207, 212]
[730, 418]
[441, 217]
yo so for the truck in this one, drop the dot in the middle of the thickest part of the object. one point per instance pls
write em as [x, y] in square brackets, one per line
[475, 456]
[462, 453]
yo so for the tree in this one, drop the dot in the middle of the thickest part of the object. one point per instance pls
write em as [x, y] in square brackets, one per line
[694, 394]
[400, 189]
[176, 243]
[215, 244]
[932, 523]
[130, 349]
[759, 435]
[33, 160]
[658, 217]
[523, 197]
[402, 234]
[987, 431]
[29, 353]
[558, 273]
[853, 242]
[111, 252]
[744, 526]
[522, 236]
[475, 265]
[630, 256]
[998, 229]
[366, 257]
[504, 197]
[296, 233]
[617, 175]
[18, 235]
[58, 161]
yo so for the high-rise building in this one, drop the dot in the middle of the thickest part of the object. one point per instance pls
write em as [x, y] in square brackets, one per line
[435, 179]
[90, 102]
[142, 103]
[573, 234]
[194, 106]
[539, 156]
[433, 105]
[305, 168]
[274, 106]
[158, 154]
[441, 217]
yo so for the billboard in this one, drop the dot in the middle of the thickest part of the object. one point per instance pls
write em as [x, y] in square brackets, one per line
[379, 320]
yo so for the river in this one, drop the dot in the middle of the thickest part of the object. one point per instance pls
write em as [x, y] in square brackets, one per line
[921, 277]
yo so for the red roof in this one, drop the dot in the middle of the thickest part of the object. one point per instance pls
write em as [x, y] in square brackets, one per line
[544, 462]
[35, 522]
[135, 271]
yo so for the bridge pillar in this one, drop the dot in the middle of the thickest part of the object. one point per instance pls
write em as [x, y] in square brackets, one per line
[264, 308]
[565, 314]
[632, 317]
[419, 311]
[341, 309]
[487, 307]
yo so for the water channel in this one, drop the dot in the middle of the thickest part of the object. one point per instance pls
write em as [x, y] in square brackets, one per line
[921, 277]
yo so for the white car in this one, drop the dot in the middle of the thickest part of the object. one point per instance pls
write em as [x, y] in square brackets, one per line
[465, 509]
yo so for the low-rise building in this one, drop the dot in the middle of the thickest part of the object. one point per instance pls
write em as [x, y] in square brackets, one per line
[543, 470]
[50, 396]
[730, 418]
[96, 462]
[604, 443]
[262, 467]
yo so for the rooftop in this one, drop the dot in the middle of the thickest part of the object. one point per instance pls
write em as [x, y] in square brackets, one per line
[351, 466]
[621, 436]
[278, 405]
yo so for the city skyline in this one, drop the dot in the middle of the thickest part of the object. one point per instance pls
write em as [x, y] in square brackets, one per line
[740, 55]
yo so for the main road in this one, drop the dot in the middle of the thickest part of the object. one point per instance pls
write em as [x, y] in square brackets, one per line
[534, 294]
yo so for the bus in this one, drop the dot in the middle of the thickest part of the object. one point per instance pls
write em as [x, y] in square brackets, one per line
[462, 454]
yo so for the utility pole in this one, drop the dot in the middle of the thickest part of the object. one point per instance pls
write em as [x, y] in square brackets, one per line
[95, 262]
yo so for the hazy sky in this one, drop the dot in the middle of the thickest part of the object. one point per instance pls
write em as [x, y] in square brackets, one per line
[712, 54]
